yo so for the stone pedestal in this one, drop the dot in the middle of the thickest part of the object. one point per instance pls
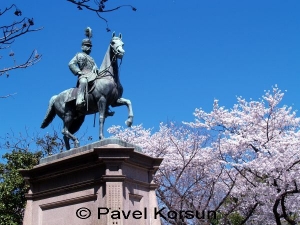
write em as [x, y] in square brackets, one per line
[108, 182]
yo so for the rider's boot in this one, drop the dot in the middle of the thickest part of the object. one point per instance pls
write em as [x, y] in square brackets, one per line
[80, 102]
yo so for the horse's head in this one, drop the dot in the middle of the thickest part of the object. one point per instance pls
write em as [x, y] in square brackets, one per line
[116, 45]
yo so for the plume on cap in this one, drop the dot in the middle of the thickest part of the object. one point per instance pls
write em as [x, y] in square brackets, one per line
[88, 32]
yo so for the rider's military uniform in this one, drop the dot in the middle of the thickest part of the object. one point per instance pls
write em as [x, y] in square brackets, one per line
[84, 63]
[83, 66]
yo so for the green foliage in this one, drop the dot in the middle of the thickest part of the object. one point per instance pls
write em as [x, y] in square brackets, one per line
[235, 218]
[23, 152]
[12, 185]
[217, 220]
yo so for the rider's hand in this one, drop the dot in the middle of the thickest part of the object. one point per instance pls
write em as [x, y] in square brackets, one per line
[79, 73]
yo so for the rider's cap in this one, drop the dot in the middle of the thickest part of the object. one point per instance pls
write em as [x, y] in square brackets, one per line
[87, 42]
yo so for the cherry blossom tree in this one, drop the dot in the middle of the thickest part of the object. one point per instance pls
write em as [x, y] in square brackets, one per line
[259, 140]
[190, 177]
[243, 163]
[10, 32]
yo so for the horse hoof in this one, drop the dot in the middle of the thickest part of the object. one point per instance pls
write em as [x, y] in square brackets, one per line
[101, 137]
[76, 144]
[128, 123]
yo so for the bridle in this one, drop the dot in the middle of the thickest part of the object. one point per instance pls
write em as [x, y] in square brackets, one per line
[116, 53]
[116, 49]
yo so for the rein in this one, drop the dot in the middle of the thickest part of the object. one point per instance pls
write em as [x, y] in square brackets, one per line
[103, 72]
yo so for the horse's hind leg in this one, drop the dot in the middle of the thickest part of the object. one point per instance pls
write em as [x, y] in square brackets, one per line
[127, 102]
[67, 135]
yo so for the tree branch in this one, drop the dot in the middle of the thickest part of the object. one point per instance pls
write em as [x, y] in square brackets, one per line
[98, 8]
[7, 96]
[16, 29]
[284, 214]
[33, 59]
[11, 33]
[251, 211]
[8, 8]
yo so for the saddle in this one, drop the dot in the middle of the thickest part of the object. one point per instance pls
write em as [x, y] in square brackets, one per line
[91, 77]
[72, 95]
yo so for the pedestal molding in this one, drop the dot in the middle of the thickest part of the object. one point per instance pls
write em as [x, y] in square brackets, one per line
[62, 189]
[85, 198]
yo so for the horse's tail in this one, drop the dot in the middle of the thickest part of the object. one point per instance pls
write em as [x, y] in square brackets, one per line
[50, 113]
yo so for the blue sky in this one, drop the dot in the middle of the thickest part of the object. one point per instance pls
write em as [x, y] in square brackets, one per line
[180, 55]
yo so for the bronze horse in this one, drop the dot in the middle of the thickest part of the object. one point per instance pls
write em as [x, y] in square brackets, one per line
[106, 91]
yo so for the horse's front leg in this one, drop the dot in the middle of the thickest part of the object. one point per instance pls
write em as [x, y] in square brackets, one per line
[67, 141]
[127, 102]
[101, 108]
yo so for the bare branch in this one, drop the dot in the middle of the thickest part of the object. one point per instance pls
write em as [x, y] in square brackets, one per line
[7, 96]
[33, 59]
[8, 8]
[99, 7]
[10, 32]
[16, 29]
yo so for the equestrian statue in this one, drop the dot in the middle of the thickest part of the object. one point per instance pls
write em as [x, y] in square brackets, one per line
[96, 90]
